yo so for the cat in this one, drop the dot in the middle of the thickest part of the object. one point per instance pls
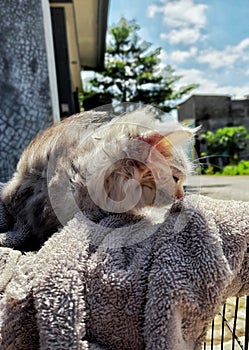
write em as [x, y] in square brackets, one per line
[93, 162]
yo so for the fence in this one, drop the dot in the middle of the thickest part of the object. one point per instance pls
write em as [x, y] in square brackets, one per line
[230, 328]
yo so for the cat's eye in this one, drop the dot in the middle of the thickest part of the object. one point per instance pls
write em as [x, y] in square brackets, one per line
[176, 179]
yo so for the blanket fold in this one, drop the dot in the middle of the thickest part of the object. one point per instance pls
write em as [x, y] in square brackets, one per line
[122, 282]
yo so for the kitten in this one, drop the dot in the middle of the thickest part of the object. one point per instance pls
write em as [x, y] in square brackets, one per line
[93, 163]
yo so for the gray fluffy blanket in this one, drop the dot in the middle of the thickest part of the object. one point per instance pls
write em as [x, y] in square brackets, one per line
[121, 282]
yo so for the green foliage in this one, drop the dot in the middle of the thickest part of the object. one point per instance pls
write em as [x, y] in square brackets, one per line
[242, 168]
[228, 141]
[133, 72]
[230, 170]
[81, 97]
[209, 170]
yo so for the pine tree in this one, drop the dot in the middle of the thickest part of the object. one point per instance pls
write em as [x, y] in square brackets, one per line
[133, 71]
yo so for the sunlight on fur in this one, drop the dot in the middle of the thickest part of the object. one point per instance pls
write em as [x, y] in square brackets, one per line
[130, 164]
[93, 161]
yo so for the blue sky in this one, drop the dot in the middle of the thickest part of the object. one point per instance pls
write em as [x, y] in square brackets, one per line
[205, 41]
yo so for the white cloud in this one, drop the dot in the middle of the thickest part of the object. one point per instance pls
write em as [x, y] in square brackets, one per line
[227, 57]
[208, 86]
[152, 10]
[179, 56]
[184, 35]
[178, 13]
[184, 20]
[218, 58]
[163, 56]
[244, 44]
[194, 76]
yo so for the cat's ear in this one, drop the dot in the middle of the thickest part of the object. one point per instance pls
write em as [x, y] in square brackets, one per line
[179, 136]
[163, 146]
[159, 143]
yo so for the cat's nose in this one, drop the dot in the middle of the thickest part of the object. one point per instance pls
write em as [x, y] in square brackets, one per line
[178, 197]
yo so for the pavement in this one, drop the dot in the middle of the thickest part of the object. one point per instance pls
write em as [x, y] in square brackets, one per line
[220, 187]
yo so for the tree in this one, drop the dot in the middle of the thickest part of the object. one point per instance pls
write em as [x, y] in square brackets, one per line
[133, 71]
[229, 141]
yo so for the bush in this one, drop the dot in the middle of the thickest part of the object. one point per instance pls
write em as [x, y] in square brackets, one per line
[241, 169]
[229, 141]
[230, 170]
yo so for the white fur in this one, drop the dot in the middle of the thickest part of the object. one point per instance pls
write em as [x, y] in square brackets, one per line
[89, 160]
[113, 181]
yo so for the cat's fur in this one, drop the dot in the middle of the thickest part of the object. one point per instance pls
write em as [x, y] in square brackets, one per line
[90, 160]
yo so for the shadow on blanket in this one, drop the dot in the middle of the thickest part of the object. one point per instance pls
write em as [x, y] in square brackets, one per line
[159, 293]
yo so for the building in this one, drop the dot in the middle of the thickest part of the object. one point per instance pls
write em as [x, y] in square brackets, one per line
[79, 32]
[214, 111]
[240, 112]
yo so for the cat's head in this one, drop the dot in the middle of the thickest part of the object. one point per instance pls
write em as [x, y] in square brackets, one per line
[131, 164]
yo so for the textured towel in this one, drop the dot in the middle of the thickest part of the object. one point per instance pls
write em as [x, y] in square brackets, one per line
[88, 287]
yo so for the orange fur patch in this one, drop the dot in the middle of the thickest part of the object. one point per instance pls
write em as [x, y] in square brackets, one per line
[158, 142]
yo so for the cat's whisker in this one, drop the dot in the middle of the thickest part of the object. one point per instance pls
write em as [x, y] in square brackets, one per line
[205, 157]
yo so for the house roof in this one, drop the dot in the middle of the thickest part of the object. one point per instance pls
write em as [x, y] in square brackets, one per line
[91, 25]
[86, 22]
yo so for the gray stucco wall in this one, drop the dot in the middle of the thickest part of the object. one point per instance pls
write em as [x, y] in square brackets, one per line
[240, 112]
[212, 112]
[25, 101]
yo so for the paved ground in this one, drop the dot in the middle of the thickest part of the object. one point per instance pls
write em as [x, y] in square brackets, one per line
[221, 187]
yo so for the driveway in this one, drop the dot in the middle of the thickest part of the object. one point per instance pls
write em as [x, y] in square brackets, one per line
[221, 187]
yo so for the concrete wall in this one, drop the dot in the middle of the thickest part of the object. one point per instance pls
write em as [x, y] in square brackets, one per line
[186, 110]
[25, 88]
[240, 112]
[212, 112]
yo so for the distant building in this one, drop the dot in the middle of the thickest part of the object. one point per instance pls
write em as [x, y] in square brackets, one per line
[214, 111]
[240, 112]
